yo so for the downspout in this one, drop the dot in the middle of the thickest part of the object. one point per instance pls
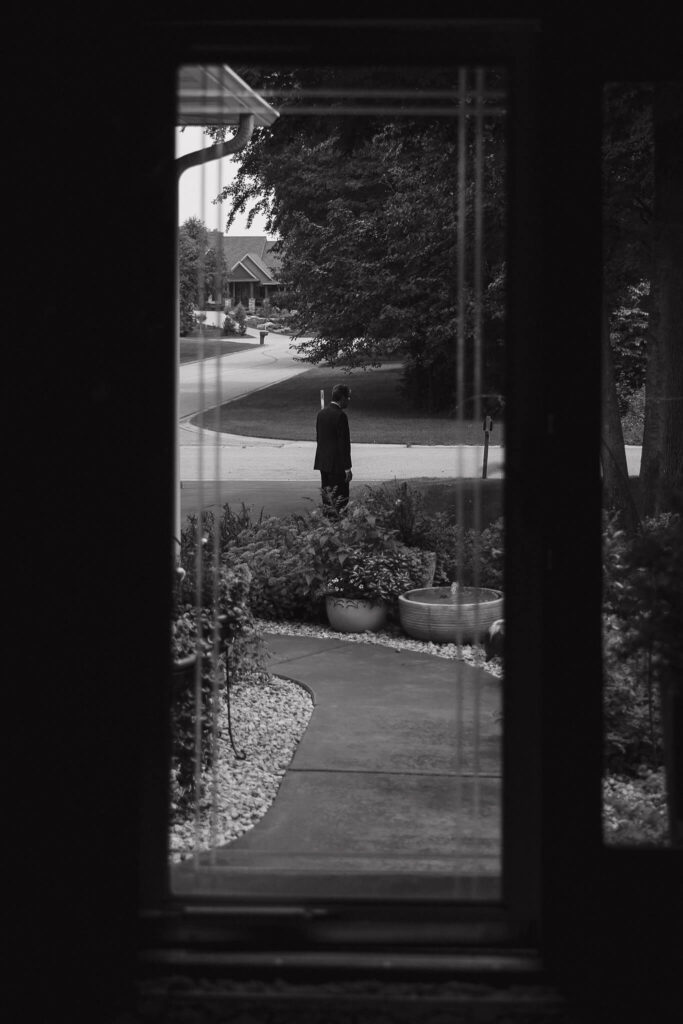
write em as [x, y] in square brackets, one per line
[239, 140]
[233, 145]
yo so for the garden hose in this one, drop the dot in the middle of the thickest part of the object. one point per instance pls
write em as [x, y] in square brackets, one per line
[240, 755]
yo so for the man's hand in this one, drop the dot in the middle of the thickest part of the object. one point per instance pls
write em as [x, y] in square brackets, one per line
[349, 476]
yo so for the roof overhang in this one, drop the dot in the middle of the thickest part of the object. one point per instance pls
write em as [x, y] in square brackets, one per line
[212, 94]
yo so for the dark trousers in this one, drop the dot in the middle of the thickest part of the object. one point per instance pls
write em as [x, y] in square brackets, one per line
[335, 492]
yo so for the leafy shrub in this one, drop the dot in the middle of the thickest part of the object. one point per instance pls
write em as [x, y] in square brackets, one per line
[631, 717]
[277, 553]
[186, 640]
[334, 541]
[213, 620]
[628, 337]
[472, 557]
[465, 555]
[642, 636]
[378, 575]
[187, 318]
[233, 523]
[287, 300]
[634, 809]
[229, 324]
[400, 509]
[291, 559]
[240, 316]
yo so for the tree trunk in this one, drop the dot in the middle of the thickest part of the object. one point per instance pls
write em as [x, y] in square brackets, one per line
[661, 470]
[615, 483]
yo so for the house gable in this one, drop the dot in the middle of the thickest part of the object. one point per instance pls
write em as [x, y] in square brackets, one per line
[249, 257]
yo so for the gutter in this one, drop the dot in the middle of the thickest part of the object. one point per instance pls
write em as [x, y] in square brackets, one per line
[220, 149]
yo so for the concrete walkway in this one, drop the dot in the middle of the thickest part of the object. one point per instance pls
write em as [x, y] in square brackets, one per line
[394, 789]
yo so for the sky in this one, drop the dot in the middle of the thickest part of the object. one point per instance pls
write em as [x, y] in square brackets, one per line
[199, 185]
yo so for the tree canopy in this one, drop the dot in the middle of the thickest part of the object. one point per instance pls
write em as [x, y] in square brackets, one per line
[366, 208]
[367, 211]
[643, 275]
[202, 271]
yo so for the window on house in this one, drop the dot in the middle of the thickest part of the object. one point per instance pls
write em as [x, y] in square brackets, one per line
[365, 763]
[502, 877]
[559, 884]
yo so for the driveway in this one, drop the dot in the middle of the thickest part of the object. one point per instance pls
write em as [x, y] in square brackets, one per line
[208, 455]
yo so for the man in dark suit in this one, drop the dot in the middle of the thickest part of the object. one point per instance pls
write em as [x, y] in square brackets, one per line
[333, 451]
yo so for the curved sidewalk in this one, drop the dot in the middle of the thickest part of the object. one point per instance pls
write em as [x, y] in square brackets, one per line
[234, 457]
[207, 455]
[394, 789]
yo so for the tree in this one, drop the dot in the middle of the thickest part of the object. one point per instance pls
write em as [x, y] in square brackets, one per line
[215, 275]
[367, 212]
[627, 208]
[661, 472]
[192, 246]
[202, 271]
[643, 273]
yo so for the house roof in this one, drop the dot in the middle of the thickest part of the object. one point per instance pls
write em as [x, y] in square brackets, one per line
[249, 257]
[263, 272]
[214, 94]
[241, 273]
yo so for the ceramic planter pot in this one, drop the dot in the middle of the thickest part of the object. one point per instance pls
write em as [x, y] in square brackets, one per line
[434, 613]
[347, 615]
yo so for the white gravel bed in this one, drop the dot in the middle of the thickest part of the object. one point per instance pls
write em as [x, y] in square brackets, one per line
[473, 654]
[268, 721]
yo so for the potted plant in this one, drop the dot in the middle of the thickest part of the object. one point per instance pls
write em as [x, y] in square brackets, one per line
[364, 589]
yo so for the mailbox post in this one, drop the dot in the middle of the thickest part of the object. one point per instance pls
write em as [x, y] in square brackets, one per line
[488, 427]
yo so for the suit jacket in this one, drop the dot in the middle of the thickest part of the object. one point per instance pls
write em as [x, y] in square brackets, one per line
[333, 451]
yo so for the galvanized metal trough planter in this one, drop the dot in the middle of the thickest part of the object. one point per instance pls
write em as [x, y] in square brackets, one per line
[444, 616]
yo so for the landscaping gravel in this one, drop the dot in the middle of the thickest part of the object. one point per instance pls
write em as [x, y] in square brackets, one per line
[268, 721]
[392, 637]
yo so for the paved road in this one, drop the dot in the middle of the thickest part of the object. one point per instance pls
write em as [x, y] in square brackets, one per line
[208, 456]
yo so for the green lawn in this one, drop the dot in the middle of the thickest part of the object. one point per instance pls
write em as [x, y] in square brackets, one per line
[377, 413]
[191, 347]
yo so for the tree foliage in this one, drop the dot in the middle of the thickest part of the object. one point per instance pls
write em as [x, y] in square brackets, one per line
[661, 469]
[367, 213]
[202, 271]
[643, 270]
[628, 204]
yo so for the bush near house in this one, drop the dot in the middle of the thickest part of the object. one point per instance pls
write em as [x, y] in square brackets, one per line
[643, 653]
[642, 615]
[278, 568]
[291, 558]
[240, 316]
[205, 591]
[229, 325]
